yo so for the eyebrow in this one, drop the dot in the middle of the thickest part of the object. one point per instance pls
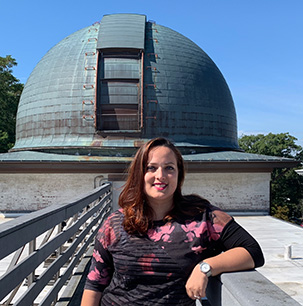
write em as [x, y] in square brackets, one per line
[168, 163]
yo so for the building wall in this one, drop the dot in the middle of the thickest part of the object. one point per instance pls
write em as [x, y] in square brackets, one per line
[32, 191]
[230, 191]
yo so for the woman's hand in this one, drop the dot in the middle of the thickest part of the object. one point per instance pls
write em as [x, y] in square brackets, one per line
[237, 259]
[196, 284]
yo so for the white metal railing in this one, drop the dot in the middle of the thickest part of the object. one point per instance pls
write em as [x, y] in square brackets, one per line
[55, 239]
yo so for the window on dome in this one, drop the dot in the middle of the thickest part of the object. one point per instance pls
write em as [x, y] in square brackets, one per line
[119, 90]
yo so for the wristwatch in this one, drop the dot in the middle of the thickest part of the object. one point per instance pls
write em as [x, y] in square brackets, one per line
[205, 268]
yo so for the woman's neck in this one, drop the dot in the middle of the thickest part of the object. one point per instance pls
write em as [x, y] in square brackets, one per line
[160, 211]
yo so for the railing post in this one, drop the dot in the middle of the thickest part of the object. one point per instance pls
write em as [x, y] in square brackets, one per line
[58, 253]
[31, 249]
[111, 195]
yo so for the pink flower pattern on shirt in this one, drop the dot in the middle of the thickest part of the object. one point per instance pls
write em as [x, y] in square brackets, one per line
[106, 234]
[97, 256]
[146, 263]
[194, 229]
[161, 233]
[198, 249]
[103, 277]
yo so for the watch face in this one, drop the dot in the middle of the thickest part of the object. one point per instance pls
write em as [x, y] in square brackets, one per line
[205, 267]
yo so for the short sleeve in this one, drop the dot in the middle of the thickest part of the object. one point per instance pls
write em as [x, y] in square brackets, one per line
[101, 269]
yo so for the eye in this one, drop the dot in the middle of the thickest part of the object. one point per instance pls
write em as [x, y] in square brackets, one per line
[150, 169]
[170, 168]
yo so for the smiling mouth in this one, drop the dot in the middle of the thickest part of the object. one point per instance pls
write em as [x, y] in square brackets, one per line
[160, 186]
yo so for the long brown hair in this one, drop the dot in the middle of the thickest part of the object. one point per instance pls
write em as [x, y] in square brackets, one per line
[137, 214]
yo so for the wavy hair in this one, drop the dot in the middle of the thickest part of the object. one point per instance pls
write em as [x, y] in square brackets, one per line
[137, 214]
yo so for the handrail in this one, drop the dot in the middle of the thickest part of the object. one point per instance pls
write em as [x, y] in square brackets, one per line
[59, 253]
[247, 288]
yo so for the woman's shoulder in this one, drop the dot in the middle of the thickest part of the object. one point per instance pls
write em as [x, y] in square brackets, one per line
[213, 216]
[202, 208]
[219, 217]
[114, 218]
[110, 230]
[116, 214]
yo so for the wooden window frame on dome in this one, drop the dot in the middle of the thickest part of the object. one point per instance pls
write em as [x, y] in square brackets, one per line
[119, 91]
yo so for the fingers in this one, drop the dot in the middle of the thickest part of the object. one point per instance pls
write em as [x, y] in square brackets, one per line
[196, 295]
[196, 284]
[196, 290]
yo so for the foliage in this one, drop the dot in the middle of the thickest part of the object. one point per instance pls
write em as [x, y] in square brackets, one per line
[283, 145]
[10, 92]
[286, 184]
[281, 212]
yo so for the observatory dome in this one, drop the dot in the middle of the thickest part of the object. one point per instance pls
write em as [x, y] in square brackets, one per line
[120, 82]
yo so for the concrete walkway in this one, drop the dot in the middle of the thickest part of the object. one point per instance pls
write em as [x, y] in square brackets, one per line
[274, 236]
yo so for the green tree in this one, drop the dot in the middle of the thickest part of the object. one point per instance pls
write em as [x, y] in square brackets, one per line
[286, 184]
[10, 92]
[283, 145]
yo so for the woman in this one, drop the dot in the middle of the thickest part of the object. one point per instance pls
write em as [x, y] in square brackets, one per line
[160, 247]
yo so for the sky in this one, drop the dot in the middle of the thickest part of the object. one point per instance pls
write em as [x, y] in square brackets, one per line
[257, 45]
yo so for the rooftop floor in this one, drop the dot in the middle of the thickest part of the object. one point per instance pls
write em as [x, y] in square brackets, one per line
[274, 236]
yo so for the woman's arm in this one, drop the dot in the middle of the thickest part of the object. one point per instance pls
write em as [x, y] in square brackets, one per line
[90, 298]
[235, 259]
[242, 252]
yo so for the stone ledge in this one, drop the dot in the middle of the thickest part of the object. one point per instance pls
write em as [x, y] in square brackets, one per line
[249, 288]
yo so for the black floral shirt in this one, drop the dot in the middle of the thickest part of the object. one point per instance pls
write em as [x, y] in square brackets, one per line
[153, 269]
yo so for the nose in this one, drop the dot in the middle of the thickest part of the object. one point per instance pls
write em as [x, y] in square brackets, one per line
[160, 173]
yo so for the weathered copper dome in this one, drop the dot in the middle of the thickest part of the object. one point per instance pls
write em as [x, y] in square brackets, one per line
[123, 81]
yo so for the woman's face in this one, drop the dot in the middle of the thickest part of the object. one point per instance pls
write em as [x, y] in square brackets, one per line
[161, 176]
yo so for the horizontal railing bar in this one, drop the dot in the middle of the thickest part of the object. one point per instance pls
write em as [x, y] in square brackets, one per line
[60, 282]
[73, 288]
[34, 290]
[36, 223]
[10, 280]
[25, 267]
